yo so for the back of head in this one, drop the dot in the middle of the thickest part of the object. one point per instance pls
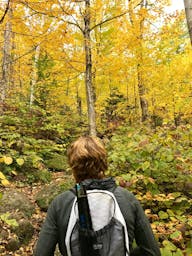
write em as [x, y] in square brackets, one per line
[88, 159]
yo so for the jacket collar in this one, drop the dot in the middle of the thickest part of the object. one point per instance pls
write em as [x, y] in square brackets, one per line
[106, 183]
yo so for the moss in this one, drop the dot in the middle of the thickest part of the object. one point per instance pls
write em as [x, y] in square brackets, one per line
[24, 231]
[49, 192]
[57, 162]
[13, 245]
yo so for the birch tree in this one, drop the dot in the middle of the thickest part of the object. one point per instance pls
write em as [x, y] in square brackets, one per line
[188, 12]
[138, 25]
[6, 60]
[34, 75]
[88, 72]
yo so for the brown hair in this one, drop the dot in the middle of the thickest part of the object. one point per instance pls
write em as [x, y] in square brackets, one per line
[88, 159]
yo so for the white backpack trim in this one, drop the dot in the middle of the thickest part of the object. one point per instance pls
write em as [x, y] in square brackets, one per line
[98, 200]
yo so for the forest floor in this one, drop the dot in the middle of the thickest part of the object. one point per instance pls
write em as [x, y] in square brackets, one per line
[30, 191]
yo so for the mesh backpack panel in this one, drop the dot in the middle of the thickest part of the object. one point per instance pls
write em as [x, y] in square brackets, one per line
[109, 235]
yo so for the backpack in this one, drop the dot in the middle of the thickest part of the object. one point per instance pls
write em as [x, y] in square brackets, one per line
[109, 235]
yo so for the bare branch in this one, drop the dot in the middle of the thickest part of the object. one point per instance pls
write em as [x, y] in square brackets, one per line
[37, 12]
[23, 55]
[6, 10]
[75, 23]
[109, 19]
[70, 79]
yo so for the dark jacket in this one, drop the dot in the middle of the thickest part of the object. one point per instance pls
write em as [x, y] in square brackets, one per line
[55, 226]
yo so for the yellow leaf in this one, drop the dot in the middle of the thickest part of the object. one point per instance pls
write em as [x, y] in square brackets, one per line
[2, 176]
[5, 183]
[8, 160]
[20, 161]
[1, 160]
[14, 172]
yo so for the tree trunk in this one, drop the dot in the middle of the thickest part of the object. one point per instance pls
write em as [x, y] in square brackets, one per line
[188, 12]
[6, 63]
[143, 101]
[88, 72]
[34, 75]
[141, 85]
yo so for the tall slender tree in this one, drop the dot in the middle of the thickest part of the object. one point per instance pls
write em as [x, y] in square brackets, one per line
[138, 25]
[34, 75]
[88, 72]
[188, 11]
[6, 59]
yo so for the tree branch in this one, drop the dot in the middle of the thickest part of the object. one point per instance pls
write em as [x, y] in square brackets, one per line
[24, 54]
[6, 10]
[68, 14]
[53, 16]
[109, 19]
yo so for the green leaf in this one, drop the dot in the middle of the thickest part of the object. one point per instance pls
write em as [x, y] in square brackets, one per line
[163, 215]
[169, 246]
[175, 235]
[11, 222]
[170, 212]
[20, 161]
[178, 253]
[170, 158]
[166, 252]
[4, 216]
[189, 249]
[145, 165]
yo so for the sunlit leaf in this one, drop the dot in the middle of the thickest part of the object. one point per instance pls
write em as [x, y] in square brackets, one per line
[14, 172]
[8, 160]
[2, 176]
[170, 246]
[12, 222]
[176, 235]
[145, 165]
[6, 218]
[163, 215]
[20, 161]
[5, 183]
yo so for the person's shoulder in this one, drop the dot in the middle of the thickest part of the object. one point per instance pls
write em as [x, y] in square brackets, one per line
[126, 196]
[64, 195]
[125, 192]
[63, 198]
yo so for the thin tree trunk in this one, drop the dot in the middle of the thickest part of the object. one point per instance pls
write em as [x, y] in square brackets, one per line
[6, 63]
[188, 12]
[79, 102]
[139, 55]
[88, 72]
[12, 48]
[34, 75]
[142, 89]
[141, 85]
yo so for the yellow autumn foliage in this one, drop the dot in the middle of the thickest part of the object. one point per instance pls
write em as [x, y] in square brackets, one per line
[3, 181]
[124, 36]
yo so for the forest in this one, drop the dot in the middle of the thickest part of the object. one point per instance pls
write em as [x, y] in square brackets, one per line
[119, 70]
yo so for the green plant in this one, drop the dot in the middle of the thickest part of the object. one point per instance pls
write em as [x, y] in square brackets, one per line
[156, 166]
[6, 219]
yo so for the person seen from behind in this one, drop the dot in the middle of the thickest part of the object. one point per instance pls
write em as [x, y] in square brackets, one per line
[87, 158]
